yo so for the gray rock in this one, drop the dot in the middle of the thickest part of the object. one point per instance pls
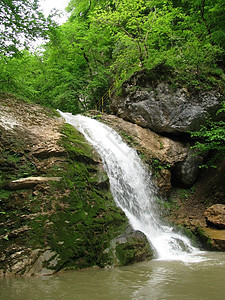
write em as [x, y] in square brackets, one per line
[47, 150]
[186, 171]
[24, 261]
[162, 109]
[45, 263]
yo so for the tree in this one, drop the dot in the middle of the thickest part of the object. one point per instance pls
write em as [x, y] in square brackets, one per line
[21, 20]
[82, 8]
[106, 41]
[208, 17]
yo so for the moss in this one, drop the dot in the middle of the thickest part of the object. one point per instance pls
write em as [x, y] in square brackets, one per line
[128, 139]
[188, 233]
[204, 239]
[76, 145]
[131, 252]
[14, 161]
[87, 218]
[129, 247]
[157, 166]
[76, 217]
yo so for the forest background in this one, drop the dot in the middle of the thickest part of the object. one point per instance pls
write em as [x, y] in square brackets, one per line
[104, 42]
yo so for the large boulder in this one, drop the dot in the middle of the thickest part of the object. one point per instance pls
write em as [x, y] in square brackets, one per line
[163, 109]
[130, 247]
[154, 145]
[212, 239]
[186, 171]
[215, 216]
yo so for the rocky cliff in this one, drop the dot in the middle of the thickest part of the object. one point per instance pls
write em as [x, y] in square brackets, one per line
[57, 211]
[156, 120]
[164, 108]
[56, 208]
[169, 159]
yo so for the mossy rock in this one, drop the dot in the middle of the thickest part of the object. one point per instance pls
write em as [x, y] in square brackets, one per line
[128, 248]
[211, 238]
[58, 225]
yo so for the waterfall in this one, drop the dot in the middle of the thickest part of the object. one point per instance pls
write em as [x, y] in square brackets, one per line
[131, 187]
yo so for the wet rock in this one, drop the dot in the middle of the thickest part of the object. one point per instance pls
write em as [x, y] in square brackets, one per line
[14, 259]
[164, 154]
[24, 261]
[152, 144]
[163, 181]
[215, 216]
[30, 182]
[158, 107]
[214, 238]
[44, 265]
[50, 227]
[99, 177]
[186, 171]
[128, 248]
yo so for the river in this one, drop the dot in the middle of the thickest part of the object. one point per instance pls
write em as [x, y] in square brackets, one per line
[153, 280]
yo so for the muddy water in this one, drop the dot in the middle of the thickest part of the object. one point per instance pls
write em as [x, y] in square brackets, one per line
[154, 280]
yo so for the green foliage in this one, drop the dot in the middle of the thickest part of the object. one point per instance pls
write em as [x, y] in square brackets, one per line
[105, 42]
[81, 8]
[208, 15]
[21, 21]
[211, 137]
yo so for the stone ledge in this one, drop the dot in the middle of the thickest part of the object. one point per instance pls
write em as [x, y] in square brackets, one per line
[217, 238]
[30, 182]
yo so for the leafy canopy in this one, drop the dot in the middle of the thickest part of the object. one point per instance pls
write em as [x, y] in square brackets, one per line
[21, 21]
[105, 41]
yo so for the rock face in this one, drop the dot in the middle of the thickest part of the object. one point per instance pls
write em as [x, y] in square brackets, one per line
[163, 154]
[215, 216]
[195, 205]
[56, 208]
[155, 145]
[158, 107]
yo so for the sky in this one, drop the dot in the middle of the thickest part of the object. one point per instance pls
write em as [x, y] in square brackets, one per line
[48, 5]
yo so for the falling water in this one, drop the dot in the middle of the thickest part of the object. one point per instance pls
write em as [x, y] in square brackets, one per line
[132, 188]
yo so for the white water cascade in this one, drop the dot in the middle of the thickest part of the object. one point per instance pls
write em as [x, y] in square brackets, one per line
[132, 188]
